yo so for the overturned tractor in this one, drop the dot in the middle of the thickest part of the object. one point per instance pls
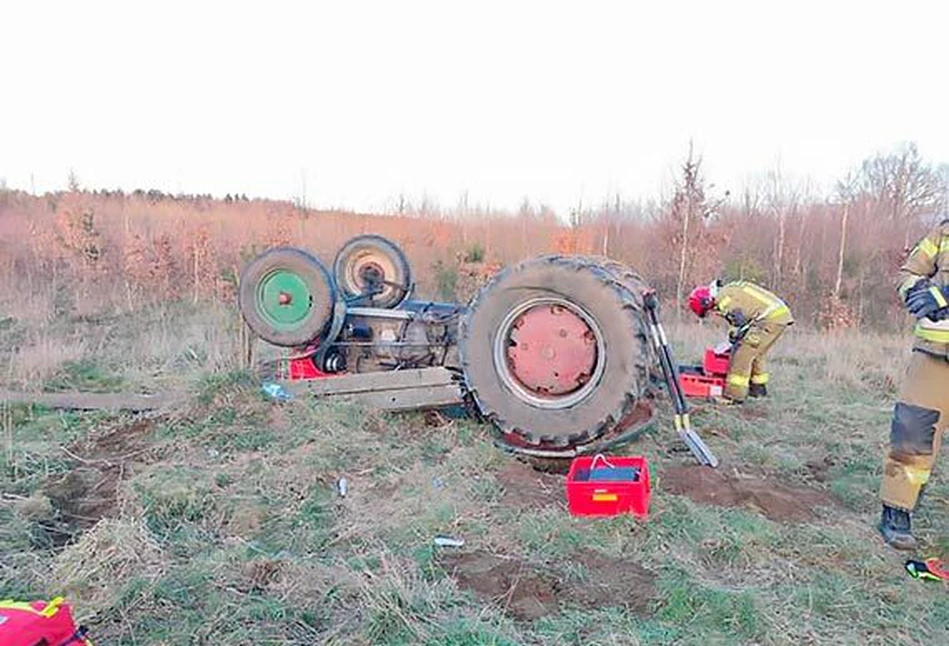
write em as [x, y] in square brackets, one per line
[558, 353]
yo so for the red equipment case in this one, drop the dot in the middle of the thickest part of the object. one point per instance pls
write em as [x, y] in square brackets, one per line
[708, 380]
[604, 497]
[37, 623]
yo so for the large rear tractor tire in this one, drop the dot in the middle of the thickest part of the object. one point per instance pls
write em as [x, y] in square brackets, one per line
[555, 352]
[287, 297]
[368, 262]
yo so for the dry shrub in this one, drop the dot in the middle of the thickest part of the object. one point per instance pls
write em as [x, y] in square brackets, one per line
[42, 357]
[94, 570]
[147, 247]
[472, 276]
[835, 314]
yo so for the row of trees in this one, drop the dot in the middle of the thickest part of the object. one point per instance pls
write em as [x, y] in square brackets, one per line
[832, 256]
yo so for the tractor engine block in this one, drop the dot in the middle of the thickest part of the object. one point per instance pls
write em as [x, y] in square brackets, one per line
[418, 334]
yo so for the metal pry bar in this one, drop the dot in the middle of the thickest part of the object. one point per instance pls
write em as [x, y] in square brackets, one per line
[671, 373]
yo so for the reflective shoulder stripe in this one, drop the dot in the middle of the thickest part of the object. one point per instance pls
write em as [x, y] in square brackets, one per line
[937, 295]
[928, 247]
[944, 244]
[759, 294]
[776, 310]
[722, 304]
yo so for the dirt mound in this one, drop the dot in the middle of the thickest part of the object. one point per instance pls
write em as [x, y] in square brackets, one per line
[775, 500]
[88, 492]
[608, 580]
[526, 488]
[528, 592]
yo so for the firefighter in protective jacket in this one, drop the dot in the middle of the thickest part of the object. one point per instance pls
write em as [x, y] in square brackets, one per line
[757, 319]
[919, 416]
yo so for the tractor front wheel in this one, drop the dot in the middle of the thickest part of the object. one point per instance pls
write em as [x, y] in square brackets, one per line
[286, 297]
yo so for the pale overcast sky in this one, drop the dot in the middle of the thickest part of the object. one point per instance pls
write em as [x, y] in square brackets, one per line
[554, 101]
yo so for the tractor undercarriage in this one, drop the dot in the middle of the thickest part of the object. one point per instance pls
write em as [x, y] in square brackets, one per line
[556, 352]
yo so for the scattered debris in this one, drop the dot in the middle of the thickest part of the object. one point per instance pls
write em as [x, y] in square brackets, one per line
[932, 569]
[276, 391]
[448, 541]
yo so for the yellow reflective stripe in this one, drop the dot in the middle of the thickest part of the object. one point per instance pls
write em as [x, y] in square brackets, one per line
[738, 380]
[757, 295]
[935, 336]
[51, 608]
[776, 308]
[780, 311]
[928, 247]
[760, 379]
[917, 476]
[10, 604]
[937, 294]
[944, 244]
[722, 304]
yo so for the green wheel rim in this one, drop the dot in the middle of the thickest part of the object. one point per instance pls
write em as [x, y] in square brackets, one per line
[283, 299]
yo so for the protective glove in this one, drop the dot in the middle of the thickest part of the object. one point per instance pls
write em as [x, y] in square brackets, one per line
[928, 301]
[736, 318]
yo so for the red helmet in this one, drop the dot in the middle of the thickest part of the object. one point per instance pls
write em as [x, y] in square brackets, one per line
[700, 301]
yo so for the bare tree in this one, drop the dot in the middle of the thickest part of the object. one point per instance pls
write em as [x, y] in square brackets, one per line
[902, 185]
[689, 211]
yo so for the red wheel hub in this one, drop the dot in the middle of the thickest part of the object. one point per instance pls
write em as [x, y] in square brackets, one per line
[552, 350]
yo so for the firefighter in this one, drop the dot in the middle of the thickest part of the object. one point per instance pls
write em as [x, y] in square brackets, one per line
[757, 319]
[918, 420]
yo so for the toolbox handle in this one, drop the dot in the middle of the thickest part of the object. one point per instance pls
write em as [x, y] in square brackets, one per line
[600, 456]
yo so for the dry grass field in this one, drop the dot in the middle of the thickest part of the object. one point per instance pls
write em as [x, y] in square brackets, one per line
[220, 522]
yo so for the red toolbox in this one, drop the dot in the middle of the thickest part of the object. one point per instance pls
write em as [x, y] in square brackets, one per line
[715, 361]
[601, 486]
[698, 386]
[708, 380]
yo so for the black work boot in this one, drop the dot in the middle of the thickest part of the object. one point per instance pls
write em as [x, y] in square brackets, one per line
[895, 528]
[757, 390]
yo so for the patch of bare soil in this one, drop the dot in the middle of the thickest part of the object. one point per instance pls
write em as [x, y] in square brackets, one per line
[749, 413]
[528, 592]
[774, 499]
[527, 488]
[88, 492]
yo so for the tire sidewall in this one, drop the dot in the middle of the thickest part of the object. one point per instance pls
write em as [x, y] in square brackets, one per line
[384, 246]
[602, 298]
[319, 283]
